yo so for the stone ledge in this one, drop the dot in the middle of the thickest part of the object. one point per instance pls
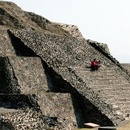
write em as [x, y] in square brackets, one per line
[107, 128]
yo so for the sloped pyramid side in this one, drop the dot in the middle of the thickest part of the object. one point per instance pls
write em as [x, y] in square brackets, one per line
[65, 55]
[68, 57]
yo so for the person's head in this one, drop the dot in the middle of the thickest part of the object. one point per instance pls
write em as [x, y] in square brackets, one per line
[99, 61]
[94, 59]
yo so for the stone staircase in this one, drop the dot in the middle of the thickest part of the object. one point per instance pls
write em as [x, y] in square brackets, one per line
[65, 55]
[107, 89]
[45, 76]
[111, 85]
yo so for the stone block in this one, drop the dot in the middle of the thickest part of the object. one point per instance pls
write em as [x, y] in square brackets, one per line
[107, 128]
[29, 73]
[6, 48]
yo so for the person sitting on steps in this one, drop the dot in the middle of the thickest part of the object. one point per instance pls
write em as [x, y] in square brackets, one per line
[95, 65]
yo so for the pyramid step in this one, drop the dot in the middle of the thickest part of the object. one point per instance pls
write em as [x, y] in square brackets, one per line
[113, 91]
[107, 82]
[97, 74]
[116, 99]
[111, 86]
[7, 110]
[124, 105]
[100, 76]
[126, 111]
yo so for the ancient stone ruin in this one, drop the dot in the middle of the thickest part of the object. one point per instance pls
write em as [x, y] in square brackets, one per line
[45, 79]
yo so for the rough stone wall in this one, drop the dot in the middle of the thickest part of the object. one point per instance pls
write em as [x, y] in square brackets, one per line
[32, 80]
[27, 74]
[8, 82]
[3, 76]
[100, 45]
[67, 47]
[23, 120]
[19, 112]
[61, 52]
[46, 25]
[58, 105]
[72, 29]
[13, 16]
[60, 58]
[30, 74]
[6, 48]
[103, 48]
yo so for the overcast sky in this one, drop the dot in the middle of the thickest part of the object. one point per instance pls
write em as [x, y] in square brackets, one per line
[106, 21]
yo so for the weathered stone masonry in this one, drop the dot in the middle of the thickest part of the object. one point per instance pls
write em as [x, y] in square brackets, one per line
[56, 60]
[45, 79]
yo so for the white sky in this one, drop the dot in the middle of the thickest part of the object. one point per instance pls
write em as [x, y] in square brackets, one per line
[106, 21]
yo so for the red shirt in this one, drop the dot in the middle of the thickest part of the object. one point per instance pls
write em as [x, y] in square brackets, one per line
[93, 63]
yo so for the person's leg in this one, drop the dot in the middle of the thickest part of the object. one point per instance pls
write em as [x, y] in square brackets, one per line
[96, 67]
[92, 68]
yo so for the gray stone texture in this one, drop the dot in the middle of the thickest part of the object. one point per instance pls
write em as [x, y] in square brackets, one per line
[58, 105]
[23, 120]
[8, 82]
[30, 74]
[32, 80]
[6, 48]
[46, 77]
[19, 70]
[72, 29]
[62, 54]
[103, 46]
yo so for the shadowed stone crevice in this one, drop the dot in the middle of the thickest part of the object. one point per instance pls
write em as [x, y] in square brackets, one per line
[57, 84]
[55, 81]
[85, 112]
[51, 122]
[8, 81]
[6, 125]
[3, 76]
[19, 47]
[78, 110]
[12, 82]
[16, 101]
[33, 101]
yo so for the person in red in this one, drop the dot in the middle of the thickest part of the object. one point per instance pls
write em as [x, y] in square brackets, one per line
[95, 64]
